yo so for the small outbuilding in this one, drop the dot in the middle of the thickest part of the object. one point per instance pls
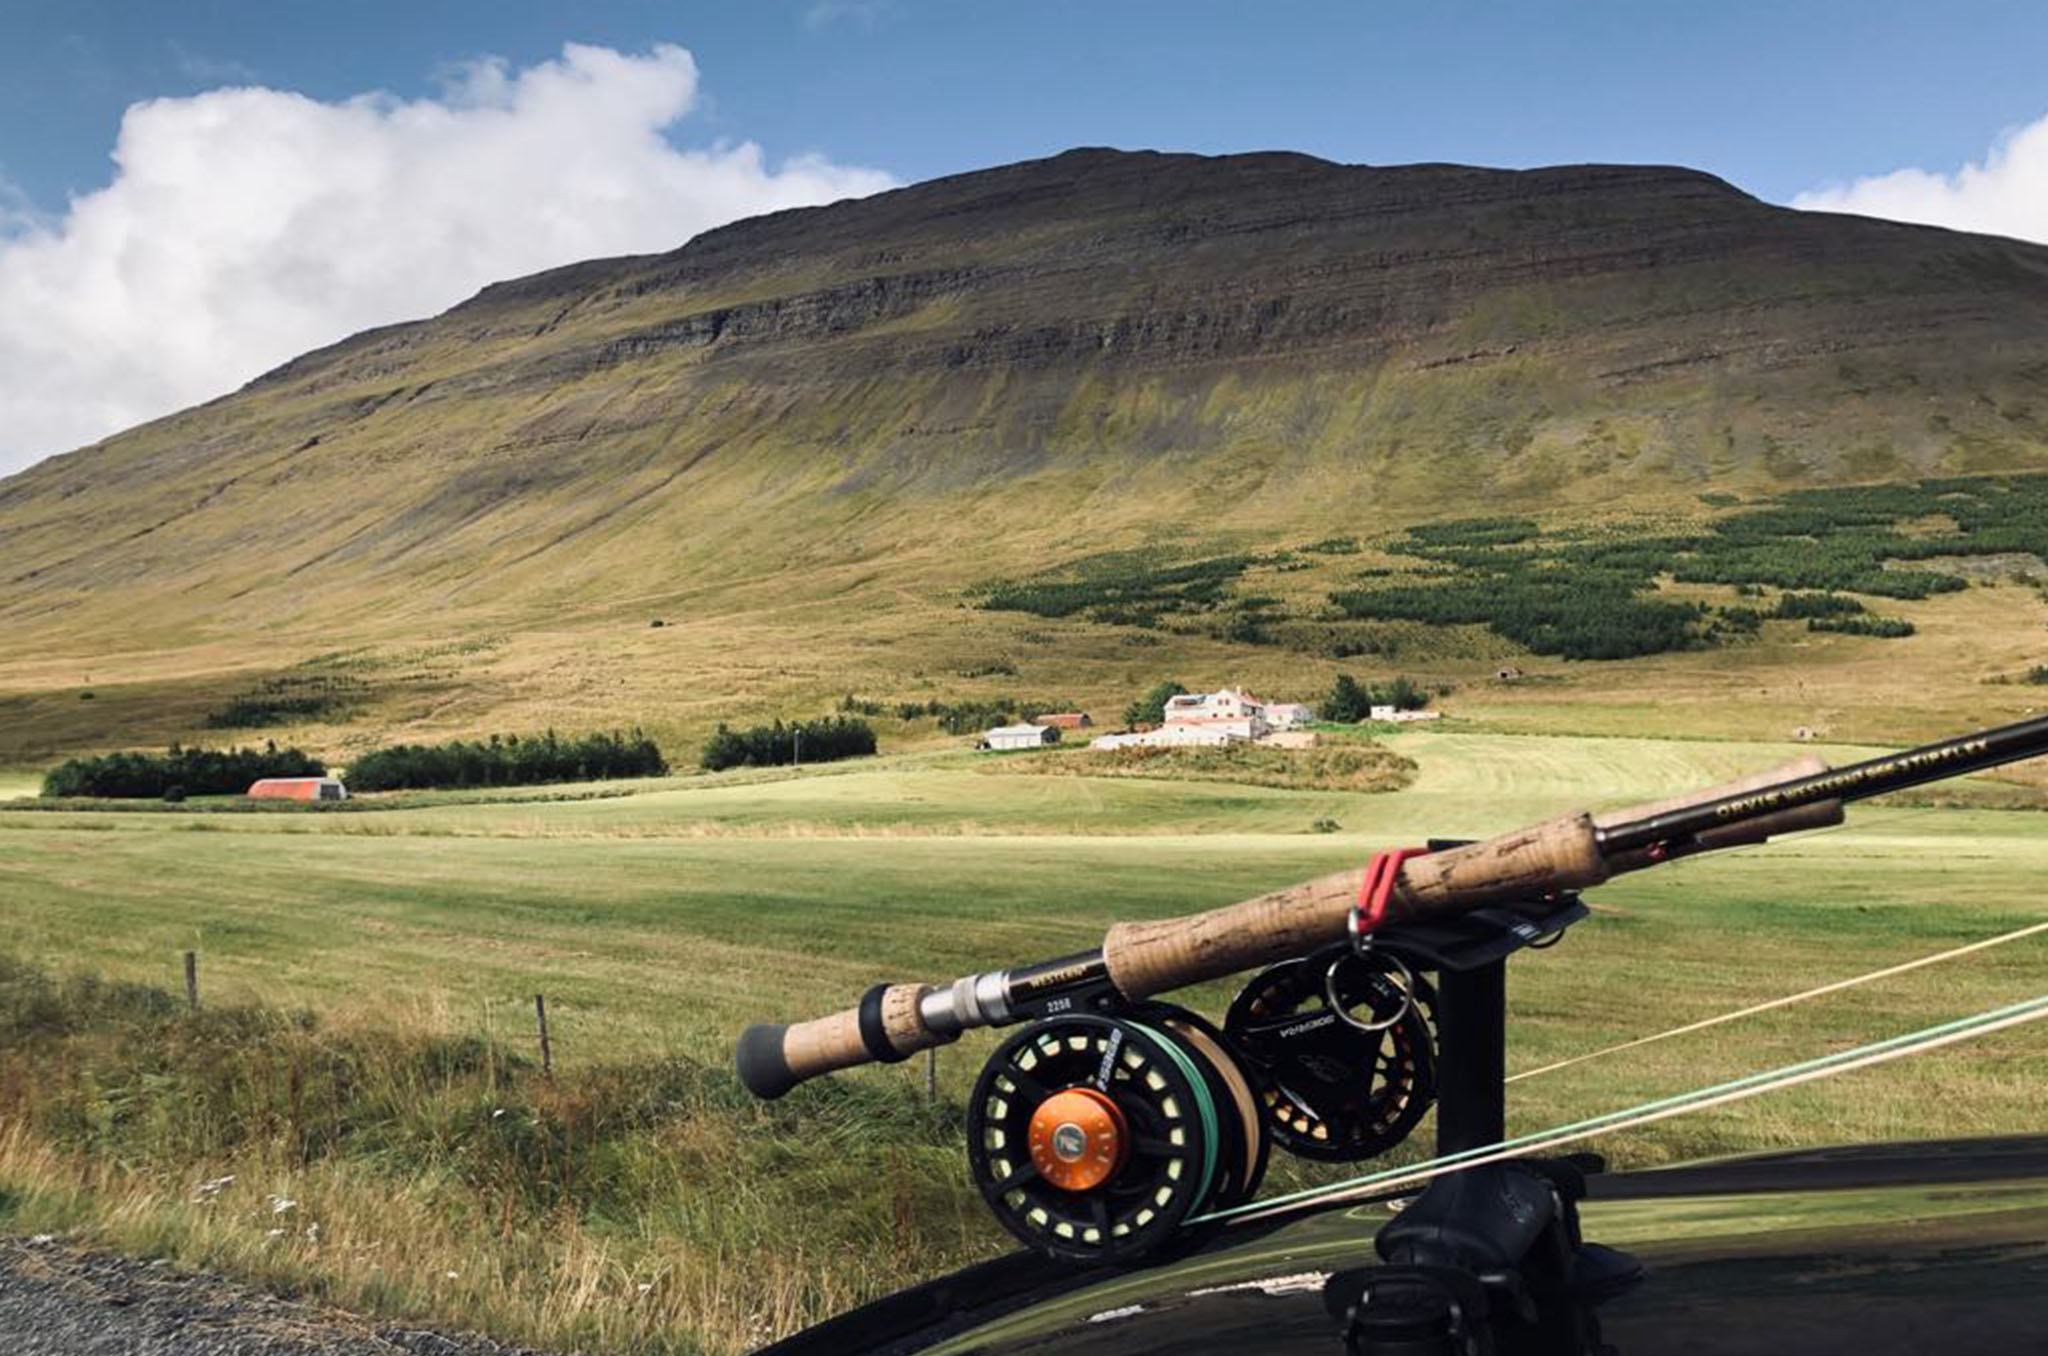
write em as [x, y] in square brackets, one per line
[298, 788]
[1066, 720]
[1020, 737]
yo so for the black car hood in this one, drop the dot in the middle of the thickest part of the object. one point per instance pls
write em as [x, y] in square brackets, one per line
[1872, 1250]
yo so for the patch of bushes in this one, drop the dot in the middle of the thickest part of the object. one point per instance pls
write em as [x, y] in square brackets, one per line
[1334, 546]
[2038, 675]
[1583, 616]
[190, 772]
[1738, 620]
[776, 745]
[292, 697]
[1123, 586]
[1474, 532]
[1816, 605]
[1585, 598]
[1888, 628]
[507, 760]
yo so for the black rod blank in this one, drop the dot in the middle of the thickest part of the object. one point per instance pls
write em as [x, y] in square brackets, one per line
[1859, 781]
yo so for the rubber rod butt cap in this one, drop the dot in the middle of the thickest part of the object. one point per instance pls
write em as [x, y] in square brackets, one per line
[761, 1064]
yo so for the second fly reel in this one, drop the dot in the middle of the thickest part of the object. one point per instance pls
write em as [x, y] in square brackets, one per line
[1100, 1137]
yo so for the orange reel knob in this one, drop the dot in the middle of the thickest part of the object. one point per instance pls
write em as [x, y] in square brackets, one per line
[1078, 1139]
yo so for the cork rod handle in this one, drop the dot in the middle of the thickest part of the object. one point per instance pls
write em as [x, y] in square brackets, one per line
[885, 1027]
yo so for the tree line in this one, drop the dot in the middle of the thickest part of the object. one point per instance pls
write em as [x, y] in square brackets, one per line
[177, 772]
[826, 740]
[507, 761]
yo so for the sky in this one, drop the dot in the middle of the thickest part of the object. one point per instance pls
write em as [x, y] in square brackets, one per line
[192, 193]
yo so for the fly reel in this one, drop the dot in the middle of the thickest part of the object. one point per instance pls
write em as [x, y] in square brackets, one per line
[1096, 1138]
[1345, 1046]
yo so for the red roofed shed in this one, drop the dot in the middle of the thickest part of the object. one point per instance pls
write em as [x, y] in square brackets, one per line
[298, 788]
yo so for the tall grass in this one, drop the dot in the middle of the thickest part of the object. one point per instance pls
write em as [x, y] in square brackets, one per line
[438, 1177]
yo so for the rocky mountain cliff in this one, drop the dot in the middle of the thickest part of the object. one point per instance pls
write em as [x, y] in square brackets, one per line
[1045, 358]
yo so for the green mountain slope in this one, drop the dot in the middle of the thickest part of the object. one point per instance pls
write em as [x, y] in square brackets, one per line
[820, 425]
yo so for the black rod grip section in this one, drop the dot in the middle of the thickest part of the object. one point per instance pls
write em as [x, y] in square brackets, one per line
[762, 1067]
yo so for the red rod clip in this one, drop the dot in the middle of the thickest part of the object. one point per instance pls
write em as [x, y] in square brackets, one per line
[1377, 891]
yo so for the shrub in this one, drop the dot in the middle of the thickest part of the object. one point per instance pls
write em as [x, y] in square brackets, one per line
[1740, 620]
[1401, 694]
[507, 761]
[191, 772]
[814, 741]
[2038, 675]
[1348, 703]
[1150, 709]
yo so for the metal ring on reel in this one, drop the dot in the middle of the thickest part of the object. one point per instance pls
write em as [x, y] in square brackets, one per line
[1378, 1024]
[1339, 1087]
[1095, 1138]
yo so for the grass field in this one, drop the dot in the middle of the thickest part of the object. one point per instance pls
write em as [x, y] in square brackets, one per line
[661, 922]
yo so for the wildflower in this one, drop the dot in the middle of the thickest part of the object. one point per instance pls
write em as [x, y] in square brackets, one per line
[206, 1191]
[274, 1235]
[313, 1233]
[454, 1275]
[282, 1205]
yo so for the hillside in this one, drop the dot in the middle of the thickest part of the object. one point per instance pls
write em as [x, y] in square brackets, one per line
[799, 438]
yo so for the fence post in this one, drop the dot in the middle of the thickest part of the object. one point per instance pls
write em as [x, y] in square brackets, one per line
[192, 980]
[547, 1053]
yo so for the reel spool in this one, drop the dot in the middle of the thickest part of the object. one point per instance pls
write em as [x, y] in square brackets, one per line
[1094, 1139]
[1345, 1045]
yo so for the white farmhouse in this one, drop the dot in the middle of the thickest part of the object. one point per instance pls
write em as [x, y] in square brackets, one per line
[1287, 715]
[1223, 716]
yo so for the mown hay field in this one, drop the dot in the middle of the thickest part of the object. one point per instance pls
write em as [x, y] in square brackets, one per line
[661, 922]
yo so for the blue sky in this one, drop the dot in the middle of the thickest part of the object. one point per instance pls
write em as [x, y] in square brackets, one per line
[1776, 97]
[289, 173]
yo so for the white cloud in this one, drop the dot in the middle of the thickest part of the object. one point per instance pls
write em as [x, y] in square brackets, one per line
[2005, 194]
[245, 226]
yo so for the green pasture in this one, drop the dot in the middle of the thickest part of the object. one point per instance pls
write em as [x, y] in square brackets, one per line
[667, 919]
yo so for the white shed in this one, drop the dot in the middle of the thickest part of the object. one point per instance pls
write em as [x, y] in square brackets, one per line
[1021, 737]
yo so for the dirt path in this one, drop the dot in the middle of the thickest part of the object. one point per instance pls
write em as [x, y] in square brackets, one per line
[56, 1300]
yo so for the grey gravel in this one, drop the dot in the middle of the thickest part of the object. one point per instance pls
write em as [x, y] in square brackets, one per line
[58, 1300]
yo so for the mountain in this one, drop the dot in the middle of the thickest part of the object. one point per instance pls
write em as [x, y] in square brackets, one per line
[844, 410]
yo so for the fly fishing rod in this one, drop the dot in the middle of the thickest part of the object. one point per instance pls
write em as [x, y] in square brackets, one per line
[1113, 1119]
